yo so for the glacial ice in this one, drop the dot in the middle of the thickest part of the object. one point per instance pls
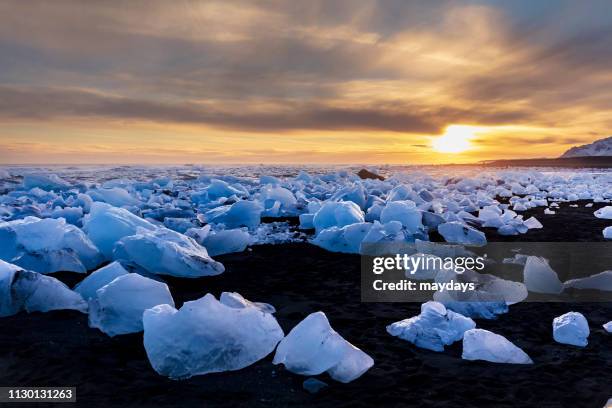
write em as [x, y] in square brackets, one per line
[608, 326]
[118, 306]
[490, 298]
[166, 252]
[434, 328]
[207, 336]
[480, 344]
[539, 277]
[116, 196]
[604, 212]
[240, 214]
[313, 386]
[44, 181]
[313, 347]
[337, 214]
[404, 212]
[607, 232]
[457, 233]
[47, 245]
[345, 239]
[599, 281]
[571, 328]
[105, 225]
[34, 292]
[219, 242]
[99, 278]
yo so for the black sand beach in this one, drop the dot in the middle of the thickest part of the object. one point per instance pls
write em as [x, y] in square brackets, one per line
[58, 349]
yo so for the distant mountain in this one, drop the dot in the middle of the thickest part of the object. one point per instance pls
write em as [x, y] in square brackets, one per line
[601, 147]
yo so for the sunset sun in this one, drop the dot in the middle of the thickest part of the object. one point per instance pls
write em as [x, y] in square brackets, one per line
[456, 139]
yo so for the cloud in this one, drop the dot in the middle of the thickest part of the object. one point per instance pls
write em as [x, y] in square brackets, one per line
[280, 66]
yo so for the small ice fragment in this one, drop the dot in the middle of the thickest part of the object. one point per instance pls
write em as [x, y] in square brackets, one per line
[458, 233]
[313, 347]
[479, 344]
[571, 328]
[604, 212]
[313, 386]
[533, 223]
[599, 281]
[434, 328]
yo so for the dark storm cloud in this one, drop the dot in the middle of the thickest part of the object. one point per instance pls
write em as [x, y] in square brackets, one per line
[39, 103]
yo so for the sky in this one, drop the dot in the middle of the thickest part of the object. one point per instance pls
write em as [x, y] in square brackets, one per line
[330, 81]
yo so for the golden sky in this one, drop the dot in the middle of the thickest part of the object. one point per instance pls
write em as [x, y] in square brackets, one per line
[340, 81]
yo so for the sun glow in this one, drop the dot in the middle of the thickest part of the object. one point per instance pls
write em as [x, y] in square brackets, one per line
[456, 139]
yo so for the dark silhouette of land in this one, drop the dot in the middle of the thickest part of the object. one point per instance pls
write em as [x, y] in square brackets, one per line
[569, 162]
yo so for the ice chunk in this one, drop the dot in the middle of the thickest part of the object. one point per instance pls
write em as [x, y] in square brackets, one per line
[240, 214]
[47, 245]
[34, 292]
[354, 193]
[72, 215]
[458, 233]
[44, 182]
[115, 196]
[608, 326]
[207, 336]
[490, 298]
[106, 225]
[607, 232]
[97, 279]
[604, 212]
[346, 239]
[404, 212]
[235, 299]
[313, 347]
[533, 223]
[313, 386]
[117, 307]
[479, 344]
[432, 220]
[166, 252]
[274, 194]
[220, 242]
[434, 328]
[539, 277]
[548, 211]
[571, 328]
[306, 221]
[337, 214]
[599, 281]
[219, 188]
